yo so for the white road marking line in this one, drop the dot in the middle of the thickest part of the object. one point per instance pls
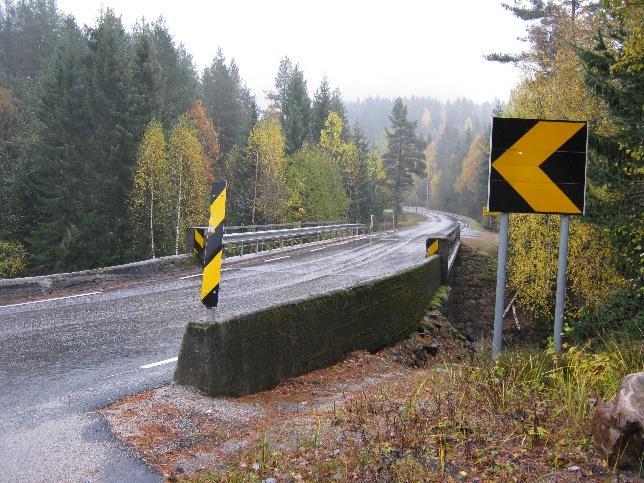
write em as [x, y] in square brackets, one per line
[316, 249]
[277, 258]
[119, 374]
[190, 276]
[50, 300]
[160, 363]
[200, 274]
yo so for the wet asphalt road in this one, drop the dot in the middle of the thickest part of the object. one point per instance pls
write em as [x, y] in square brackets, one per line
[60, 360]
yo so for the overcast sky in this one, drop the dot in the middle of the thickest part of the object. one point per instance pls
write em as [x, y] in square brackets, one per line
[365, 47]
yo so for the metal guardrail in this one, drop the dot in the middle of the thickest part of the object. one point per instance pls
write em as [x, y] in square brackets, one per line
[263, 240]
[279, 226]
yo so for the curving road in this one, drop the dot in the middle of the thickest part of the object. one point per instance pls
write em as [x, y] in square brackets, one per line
[61, 359]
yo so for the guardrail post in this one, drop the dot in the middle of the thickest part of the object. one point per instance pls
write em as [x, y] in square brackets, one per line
[242, 249]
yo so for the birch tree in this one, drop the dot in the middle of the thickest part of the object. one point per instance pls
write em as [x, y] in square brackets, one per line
[149, 205]
[189, 175]
[265, 149]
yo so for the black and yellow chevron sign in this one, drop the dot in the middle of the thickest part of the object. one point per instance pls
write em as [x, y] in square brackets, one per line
[214, 246]
[199, 242]
[432, 246]
[537, 166]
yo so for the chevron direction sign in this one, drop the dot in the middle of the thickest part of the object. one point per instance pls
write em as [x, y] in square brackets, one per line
[213, 250]
[537, 166]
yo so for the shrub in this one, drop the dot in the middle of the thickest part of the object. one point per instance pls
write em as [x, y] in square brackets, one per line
[13, 259]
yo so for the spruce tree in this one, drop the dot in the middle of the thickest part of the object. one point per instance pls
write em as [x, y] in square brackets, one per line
[112, 141]
[295, 111]
[320, 109]
[405, 154]
[60, 234]
[230, 104]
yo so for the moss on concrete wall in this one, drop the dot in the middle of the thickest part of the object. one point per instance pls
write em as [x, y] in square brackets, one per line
[254, 352]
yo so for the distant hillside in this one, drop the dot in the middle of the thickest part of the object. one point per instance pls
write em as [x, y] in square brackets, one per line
[432, 114]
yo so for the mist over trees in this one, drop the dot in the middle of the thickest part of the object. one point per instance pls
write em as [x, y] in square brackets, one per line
[454, 132]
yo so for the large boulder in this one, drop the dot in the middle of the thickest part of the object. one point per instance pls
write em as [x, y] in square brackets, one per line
[618, 426]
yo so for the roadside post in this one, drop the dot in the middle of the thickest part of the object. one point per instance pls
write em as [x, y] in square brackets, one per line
[536, 166]
[214, 250]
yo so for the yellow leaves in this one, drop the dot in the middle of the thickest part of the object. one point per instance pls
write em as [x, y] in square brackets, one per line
[208, 137]
[532, 266]
[267, 143]
[473, 164]
[265, 149]
[149, 202]
[343, 154]
[189, 174]
[13, 259]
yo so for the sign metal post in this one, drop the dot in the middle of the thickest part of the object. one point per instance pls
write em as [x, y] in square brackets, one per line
[497, 339]
[561, 282]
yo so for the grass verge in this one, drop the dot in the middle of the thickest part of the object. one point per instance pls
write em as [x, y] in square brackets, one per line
[524, 418]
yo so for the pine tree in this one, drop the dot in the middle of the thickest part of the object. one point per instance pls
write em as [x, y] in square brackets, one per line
[177, 74]
[405, 154]
[29, 32]
[365, 201]
[614, 72]
[320, 109]
[150, 207]
[278, 96]
[164, 78]
[337, 106]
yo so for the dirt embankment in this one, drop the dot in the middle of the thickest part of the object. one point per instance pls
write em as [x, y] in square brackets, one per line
[182, 432]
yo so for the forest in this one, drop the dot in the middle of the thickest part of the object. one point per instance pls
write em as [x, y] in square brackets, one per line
[110, 139]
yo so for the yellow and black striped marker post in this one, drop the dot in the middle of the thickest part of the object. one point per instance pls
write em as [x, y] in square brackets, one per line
[199, 242]
[214, 246]
[432, 246]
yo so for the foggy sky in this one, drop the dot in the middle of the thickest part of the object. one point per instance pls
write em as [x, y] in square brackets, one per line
[366, 48]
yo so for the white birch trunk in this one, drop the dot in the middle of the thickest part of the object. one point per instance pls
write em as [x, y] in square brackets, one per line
[152, 217]
[176, 242]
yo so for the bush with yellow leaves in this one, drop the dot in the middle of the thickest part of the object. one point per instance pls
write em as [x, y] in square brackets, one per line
[532, 265]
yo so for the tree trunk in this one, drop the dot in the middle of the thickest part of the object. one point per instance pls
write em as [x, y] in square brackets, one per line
[176, 242]
[151, 217]
[252, 220]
